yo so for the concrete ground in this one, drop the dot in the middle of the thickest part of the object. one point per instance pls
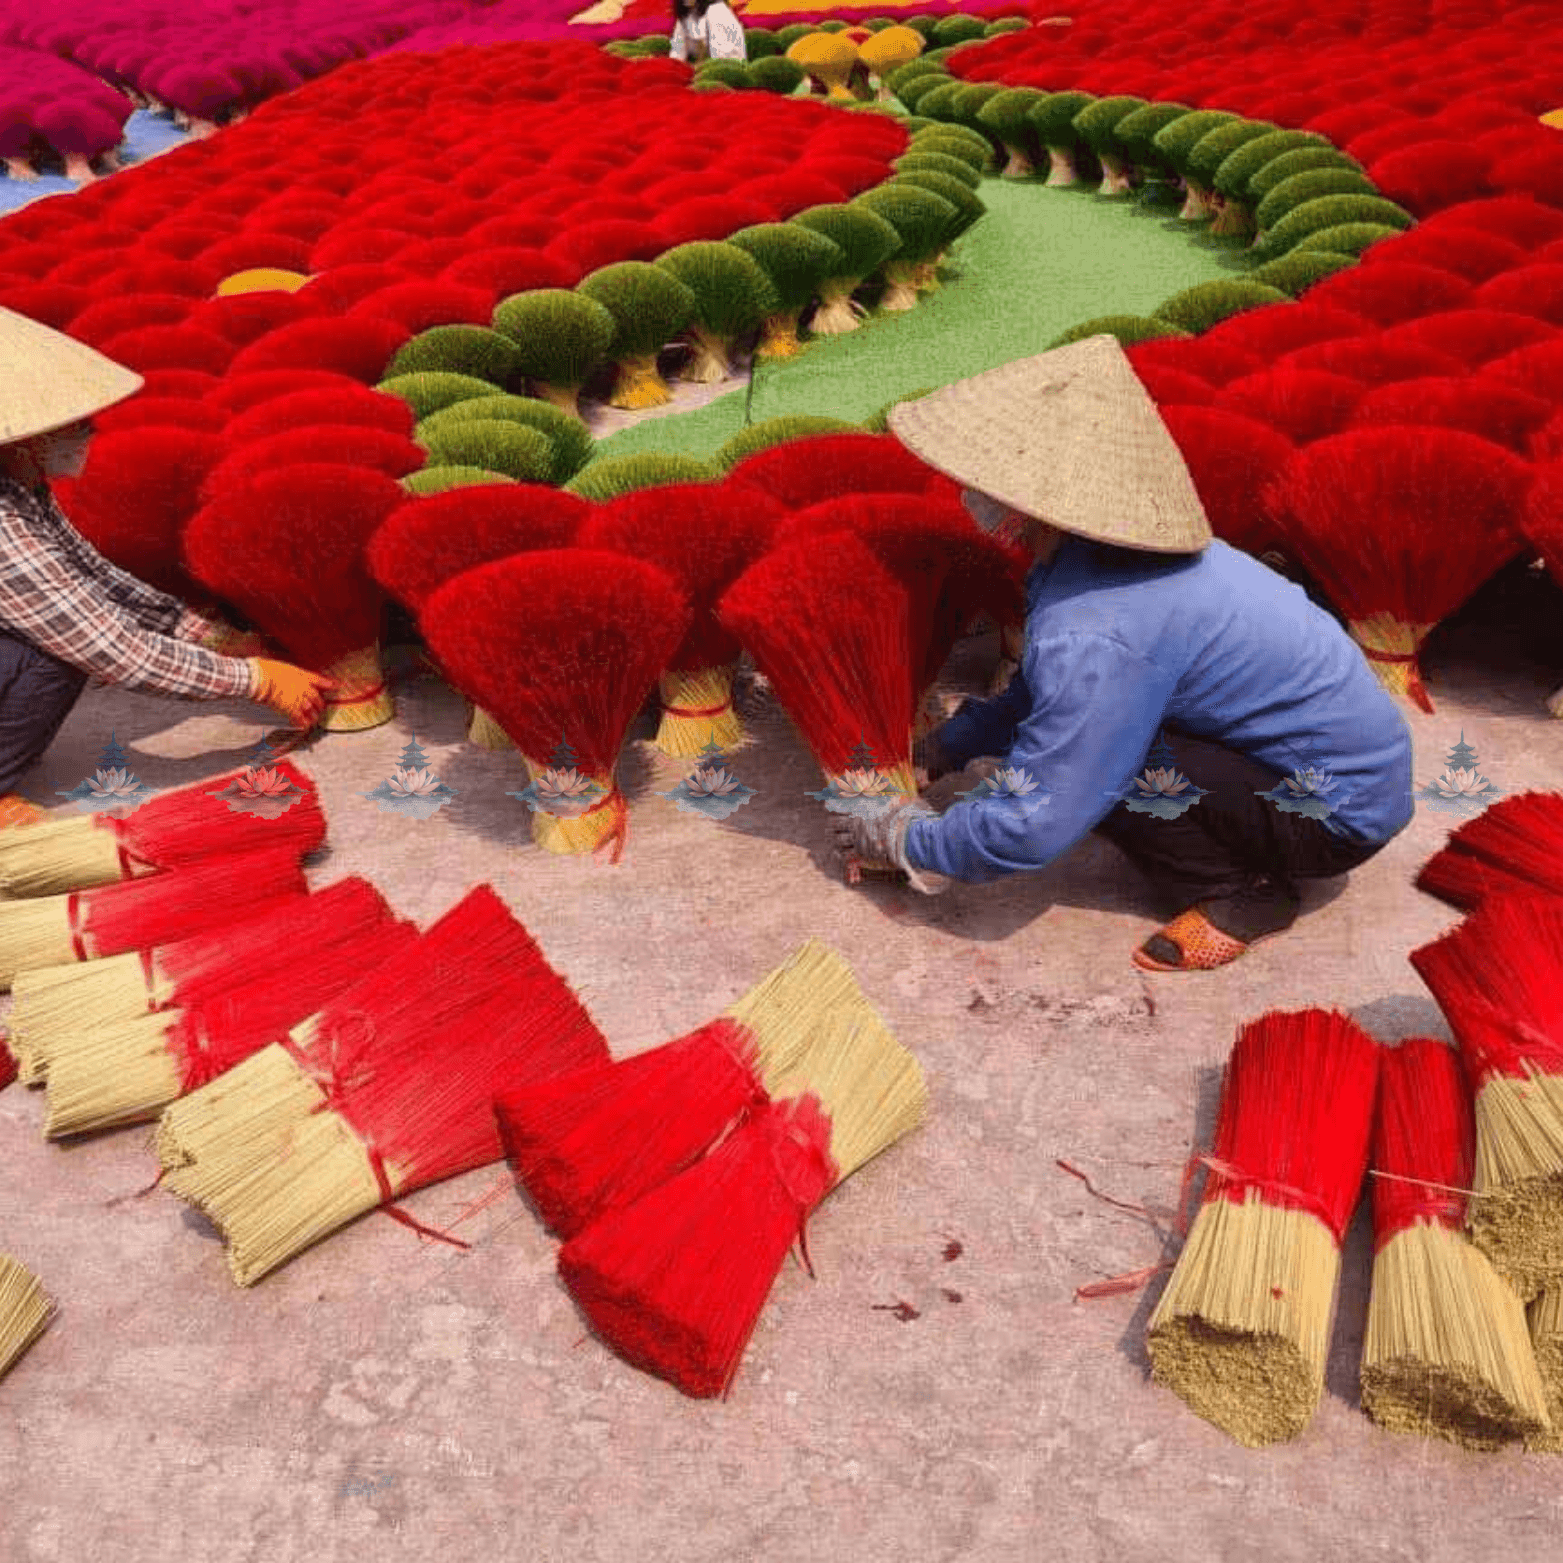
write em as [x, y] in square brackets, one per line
[936, 1394]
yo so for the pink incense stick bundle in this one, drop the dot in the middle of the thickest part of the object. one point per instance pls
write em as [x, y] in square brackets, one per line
[388, 1088]
[176, 828]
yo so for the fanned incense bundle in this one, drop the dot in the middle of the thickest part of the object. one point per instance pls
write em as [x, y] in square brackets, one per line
[598, 1139]
[387, 1089]
[805, 472]
[287, 549]
[562, 647]
[675, 1282]
[183, 826]
[1241, 1333]
[25, 1311]
[51, 1003]
[128, 1070]
[830, 629]
[91, 924]
[432, 540]
[1498, 978]
[1444, 505]
[704, 537]
[1514, 845]
[1447, 1352]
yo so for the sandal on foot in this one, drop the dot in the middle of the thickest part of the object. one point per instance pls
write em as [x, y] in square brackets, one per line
[1190, 942]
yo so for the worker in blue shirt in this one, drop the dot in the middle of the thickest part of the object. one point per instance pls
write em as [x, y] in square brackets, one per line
[1174, 694]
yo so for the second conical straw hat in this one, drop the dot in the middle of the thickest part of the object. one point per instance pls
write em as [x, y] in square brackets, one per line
[1070, 437]
[49, 380]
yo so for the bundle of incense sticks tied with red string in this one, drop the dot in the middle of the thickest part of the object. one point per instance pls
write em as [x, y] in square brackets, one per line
[176, 828]
[561, 647]
[388, 1088]
[675, 1281]
[1498, 977]
[128, 1070]
[831, 630]
[1514, 845]
[1447, 1352]
[598, 1139]
[25, 1311]
[141, 913]
[1242, 1332]
[704, 537]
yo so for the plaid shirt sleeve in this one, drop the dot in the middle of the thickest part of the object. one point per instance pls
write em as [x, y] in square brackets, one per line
[52, 597]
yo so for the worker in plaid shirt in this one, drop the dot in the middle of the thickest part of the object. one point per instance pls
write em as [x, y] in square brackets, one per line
[66, 613]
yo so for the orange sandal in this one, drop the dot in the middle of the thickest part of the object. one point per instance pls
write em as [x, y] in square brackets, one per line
[1193, 942]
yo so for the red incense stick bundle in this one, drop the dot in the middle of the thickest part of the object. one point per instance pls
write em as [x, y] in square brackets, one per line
[387, 1089]
[561, 647]
[1498, 977]
[1447, 1351]
[1514, 845]
[1242, 1331]
[800, 473]
[128, 1070]
[90, 924]
[182, 826]
[704, 537]
[598, 1139]
[675, 1282]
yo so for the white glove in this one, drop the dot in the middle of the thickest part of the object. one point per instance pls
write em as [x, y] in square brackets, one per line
[880, 837]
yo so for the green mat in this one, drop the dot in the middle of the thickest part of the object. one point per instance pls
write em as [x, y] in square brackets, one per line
[1040, 261]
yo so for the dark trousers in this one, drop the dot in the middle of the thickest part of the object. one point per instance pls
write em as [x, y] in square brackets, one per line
[37, 692]
[1233, 851]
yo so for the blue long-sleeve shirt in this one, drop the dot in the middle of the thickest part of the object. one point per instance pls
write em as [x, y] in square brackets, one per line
[1120, 642]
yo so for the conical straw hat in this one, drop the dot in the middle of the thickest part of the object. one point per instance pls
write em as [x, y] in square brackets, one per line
[48, 380]
[1069, 437]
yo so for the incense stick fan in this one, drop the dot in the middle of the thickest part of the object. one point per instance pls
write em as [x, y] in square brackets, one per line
[1242, 1331]
[676, 1281]
[25, 1312]
[1514, 845]
[388, 1089]
[432, 540]
[1447, 1352]
[1444, 513]
[186, 825]
[704, 537]
[562, 646]
[1498, 978]
[129, 1070]
[90, 924]
[596, 1140]
[287, 548]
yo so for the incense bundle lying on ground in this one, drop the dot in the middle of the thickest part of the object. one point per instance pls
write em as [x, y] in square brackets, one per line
[704, 537]
[675, 1282]
[1447, 1353]
[1498, 978]
[595, 1140]
[53, 1003]
[387, 1089]
[127, 1072]
[25, 1311]
[1242, 1331]
[1516, 844]
[830, 629]
[561, 647]
[90, 924]
[1546, 1334]
[186, 825]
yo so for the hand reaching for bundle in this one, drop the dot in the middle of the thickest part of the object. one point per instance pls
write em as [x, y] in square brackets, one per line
[296, 692]
[880, 837]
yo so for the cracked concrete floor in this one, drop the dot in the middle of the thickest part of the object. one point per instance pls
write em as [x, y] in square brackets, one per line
[936, 1394]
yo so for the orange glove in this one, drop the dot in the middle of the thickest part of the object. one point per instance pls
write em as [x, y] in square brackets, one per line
[296, 692]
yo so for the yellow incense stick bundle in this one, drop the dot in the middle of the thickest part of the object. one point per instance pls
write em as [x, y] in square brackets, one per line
[1546, 1334]
[25, 1311]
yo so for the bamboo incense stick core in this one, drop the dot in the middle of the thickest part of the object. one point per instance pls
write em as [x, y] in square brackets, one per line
[1517, 1218]
[34, 933]
[697, 712]
[1546, 1333]
[111, 1075]
[25, 1311]
[73, 853]
[50, 1004]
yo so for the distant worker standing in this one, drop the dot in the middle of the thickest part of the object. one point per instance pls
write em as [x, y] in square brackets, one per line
[706, 30]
